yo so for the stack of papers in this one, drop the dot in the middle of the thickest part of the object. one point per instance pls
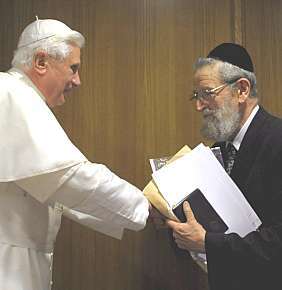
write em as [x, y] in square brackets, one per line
[199, 169]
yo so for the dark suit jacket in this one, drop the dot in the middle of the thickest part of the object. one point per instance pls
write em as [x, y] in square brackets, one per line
[255, 261]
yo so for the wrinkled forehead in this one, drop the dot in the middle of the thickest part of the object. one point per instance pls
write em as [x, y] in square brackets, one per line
[207, 75]
[74, 56]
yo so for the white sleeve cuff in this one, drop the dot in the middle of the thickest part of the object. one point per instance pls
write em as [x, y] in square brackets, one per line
[94, 190]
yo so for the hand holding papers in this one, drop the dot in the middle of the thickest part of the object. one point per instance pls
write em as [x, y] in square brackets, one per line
[201, 170]
[199, 177]
[203, 212]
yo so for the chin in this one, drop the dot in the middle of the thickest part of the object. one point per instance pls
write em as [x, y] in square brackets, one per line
[59, 101]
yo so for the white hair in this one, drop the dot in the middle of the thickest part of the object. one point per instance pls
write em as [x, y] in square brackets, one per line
[221, 124]
[229, 73]
[57, 47]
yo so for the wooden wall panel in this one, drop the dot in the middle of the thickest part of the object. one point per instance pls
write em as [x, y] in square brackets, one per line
[263, 38]
[134, 104]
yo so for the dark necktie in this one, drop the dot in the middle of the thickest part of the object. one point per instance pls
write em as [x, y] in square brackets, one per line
[230, 154]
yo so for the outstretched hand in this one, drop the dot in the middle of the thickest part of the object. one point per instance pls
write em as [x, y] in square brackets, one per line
[189, 235]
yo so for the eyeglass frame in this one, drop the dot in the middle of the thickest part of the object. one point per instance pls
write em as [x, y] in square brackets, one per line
[211, 93]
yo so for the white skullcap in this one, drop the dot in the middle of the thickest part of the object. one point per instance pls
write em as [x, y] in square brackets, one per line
[42, 29]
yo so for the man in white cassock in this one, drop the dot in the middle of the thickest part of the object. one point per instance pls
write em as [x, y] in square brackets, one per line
[42, 174]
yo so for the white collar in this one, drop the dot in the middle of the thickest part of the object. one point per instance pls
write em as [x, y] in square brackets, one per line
[20, 74]
[239, 137]
[44, 146]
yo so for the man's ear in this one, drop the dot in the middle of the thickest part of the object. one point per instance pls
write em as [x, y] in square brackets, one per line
[243, 89]
[40, 62]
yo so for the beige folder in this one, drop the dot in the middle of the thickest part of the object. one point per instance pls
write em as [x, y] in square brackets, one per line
[155, 197]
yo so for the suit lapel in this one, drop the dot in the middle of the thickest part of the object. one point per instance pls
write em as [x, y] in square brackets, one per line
[249, 149]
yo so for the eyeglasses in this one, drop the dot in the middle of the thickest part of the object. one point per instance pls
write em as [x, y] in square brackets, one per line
[207, 94]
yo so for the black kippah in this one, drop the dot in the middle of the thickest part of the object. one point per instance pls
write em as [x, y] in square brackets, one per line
[234, 54]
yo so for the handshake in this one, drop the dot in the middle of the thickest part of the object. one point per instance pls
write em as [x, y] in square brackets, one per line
[192, 194]
[187, 232]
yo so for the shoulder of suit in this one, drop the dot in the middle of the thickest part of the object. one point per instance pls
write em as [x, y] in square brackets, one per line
[271, 129]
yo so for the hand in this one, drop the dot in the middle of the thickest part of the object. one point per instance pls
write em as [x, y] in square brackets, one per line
[157, 218]
[189, 235]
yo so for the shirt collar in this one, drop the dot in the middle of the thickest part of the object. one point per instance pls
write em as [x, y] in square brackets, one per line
[239, 137]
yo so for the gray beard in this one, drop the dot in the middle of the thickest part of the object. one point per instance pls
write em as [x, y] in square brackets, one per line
[221, 124]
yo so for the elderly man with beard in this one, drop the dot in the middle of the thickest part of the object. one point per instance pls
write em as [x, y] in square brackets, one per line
[225, 93]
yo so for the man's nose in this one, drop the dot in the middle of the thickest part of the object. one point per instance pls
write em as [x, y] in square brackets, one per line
[76, 80]
[200, 105]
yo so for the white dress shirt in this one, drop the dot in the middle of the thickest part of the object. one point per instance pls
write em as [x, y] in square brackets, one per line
[239, 137]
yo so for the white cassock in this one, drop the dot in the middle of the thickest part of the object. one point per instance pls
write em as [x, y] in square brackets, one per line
[42, 176]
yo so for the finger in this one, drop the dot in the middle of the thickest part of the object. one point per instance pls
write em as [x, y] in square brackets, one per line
[188, 211]
[171, 224]
[175, 235]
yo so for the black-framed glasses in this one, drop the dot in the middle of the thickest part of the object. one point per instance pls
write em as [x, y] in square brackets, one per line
[208, 94]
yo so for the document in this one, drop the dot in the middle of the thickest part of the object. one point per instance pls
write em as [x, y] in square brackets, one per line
[199, 170]
[152, 192]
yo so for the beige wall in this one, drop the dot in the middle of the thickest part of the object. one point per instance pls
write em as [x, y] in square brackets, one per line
[134, 104]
